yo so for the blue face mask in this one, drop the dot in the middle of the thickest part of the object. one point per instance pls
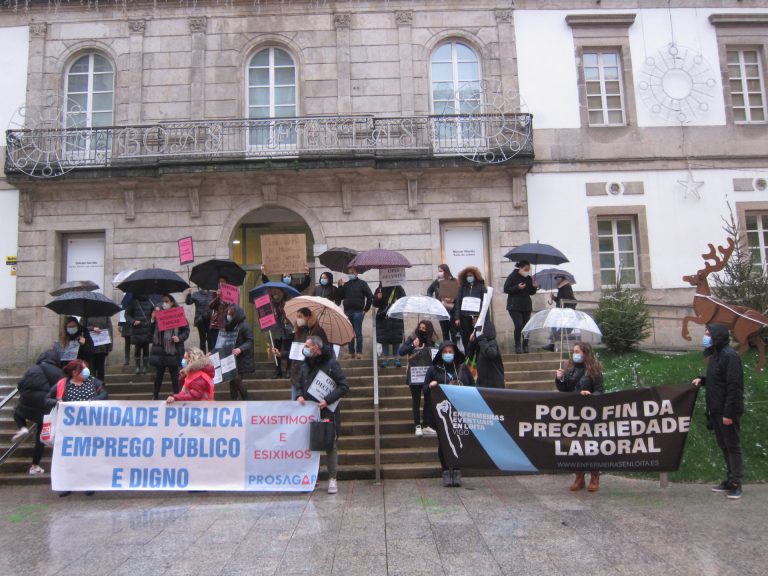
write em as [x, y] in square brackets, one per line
[306, 351]
[183, 362]
[72, 331]
[352, 277]
[447, 357]
[287, 279]
[86, 373]
[470, 279]
[578, 358]
[706, 340]
[323, 281]
[229, 319]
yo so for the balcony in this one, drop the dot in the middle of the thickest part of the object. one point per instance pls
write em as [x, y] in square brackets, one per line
[482, 138]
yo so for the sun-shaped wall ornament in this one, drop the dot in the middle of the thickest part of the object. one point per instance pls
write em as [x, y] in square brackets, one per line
[677, 84]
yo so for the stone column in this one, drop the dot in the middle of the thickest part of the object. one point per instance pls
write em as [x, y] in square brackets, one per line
[133, 81]
[343, 64]
[404, 19]
[197, 26]
[507, 57]
[37, 34]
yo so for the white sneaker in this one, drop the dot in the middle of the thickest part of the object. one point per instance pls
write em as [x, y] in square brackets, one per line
[332, 487]
[427, 431]
[35, 470]
[419, 431]
[23, 431]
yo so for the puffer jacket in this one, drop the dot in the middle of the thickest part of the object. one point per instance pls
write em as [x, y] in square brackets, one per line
[724, 382]
[243, 340]
[519, 299]
[328, 364]
[158, 356]
[485, 350]
[35, 385]
[194, 386]
[456, 373]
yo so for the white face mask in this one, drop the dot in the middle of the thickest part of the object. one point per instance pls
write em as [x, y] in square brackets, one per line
[301, 322]
[166, 305]
[524, 273]
[440, 274]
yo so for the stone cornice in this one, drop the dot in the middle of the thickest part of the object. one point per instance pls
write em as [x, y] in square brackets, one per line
[599, 20]
[740, 20]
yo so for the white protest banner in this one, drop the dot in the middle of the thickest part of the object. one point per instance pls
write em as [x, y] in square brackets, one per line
[470, 304]
[484, 309]
[100, 338]
[228, 364]
[241, 446]
[296, 351]
[392, 277]
[321, 386]
[418, 375]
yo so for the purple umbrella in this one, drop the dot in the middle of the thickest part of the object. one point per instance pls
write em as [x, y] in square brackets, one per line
[378, 259]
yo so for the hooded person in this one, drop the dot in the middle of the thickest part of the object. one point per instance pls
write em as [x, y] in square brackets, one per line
[320, 357]
[468, 301]
[484, 352]
[448, 368]
[195, 378]
[236, 325]
[34, 387]
[724, 385]
[326, 288]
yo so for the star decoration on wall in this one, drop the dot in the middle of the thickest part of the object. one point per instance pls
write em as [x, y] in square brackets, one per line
[691, 186]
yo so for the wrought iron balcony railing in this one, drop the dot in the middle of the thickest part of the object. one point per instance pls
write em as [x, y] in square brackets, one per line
[485, 138]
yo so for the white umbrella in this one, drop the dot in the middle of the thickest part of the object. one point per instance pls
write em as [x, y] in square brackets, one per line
[122, 275]
[561, 319]
[422, 306]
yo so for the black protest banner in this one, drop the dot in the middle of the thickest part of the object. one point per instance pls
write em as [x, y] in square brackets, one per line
[527, 431]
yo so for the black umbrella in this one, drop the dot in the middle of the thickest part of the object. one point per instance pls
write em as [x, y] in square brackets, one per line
[206, 275]
[153, 281]
[75, 286]
[536, 253]
[337, 259]
[82, 303]
[549, 278]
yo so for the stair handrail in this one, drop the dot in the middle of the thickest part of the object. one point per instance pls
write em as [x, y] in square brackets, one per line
[14, 445]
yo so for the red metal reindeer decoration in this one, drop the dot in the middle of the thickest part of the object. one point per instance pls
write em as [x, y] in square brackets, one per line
[745, 323]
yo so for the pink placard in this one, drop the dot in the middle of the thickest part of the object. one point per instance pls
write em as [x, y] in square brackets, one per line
[265, 312]
[229, 293]
[171, 318]
[186, 250]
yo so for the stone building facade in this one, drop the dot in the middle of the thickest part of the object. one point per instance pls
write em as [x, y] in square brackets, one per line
[372, 155]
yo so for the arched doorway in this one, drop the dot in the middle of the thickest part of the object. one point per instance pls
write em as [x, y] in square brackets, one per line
[245, 249]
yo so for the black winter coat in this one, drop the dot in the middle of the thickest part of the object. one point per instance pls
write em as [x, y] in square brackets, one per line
[244, 341]
[388, 330]
[35, 385]
[201, 299]
[356, 296]
[485, 349]
[328, 364]
[140, 309]
[103, 323]
[565, 295]
[576, 379]
[519, 299]
[158, 356]
[724, 382]
[456, 372]
[466, 290]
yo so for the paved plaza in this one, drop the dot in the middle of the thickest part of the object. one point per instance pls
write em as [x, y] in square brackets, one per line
[493, 525]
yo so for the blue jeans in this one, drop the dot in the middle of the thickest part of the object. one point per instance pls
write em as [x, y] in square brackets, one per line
[357, 323]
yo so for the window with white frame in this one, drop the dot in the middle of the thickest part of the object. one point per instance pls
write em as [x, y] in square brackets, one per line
[602, 81]
[455, 81]
[745, 79]
[617, 243]
[272, 94]
[90, 100]
[757, 238]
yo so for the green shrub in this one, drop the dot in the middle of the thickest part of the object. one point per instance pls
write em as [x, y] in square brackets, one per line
[623, 318]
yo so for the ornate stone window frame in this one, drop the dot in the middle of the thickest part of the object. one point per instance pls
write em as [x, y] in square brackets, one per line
[638, 214]
[604, 32]
[740, 32]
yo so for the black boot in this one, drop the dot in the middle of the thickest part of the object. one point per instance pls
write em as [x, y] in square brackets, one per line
[138, 366]
[525, 346]
[145, 367]
[518, 350]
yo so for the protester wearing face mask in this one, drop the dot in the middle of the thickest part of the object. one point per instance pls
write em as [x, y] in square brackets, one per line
[77, 386]
[306, 327]
[74, 342]
[289, 279]
[434, 291]
[418, 347]
[282, 332]
[167, 348]
[326, 288]
[138, 316]
[320, 357]
[520, 286]
[468, 301]
[582, 374]
[218, 310]
[357, 298]
[389, 331]
[237, 326]
[448, 368]
[195, 378]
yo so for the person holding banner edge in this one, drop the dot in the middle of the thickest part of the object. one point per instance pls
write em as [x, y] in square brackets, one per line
[448, 368]
[724, 384]
[418, 347]
[320, 359]
[582, 374]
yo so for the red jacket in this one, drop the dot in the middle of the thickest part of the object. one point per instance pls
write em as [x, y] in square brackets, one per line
[194, 386]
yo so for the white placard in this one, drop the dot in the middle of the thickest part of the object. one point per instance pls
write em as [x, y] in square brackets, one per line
[434, 352]
[392, 277]
[470, 304]
[296, 351]
[484, 310]
[147, 445]
[336, 350]
[217, 377]
[321, 386]
[418, 375]
[215, 359]
[69, 352]
[228, 364]
[101, 338]
[121, 317]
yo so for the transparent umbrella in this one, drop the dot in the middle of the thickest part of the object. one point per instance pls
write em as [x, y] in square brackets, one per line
[564, 320]
[421, 306]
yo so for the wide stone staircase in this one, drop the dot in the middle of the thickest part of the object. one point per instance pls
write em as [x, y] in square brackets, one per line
[403, 455]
